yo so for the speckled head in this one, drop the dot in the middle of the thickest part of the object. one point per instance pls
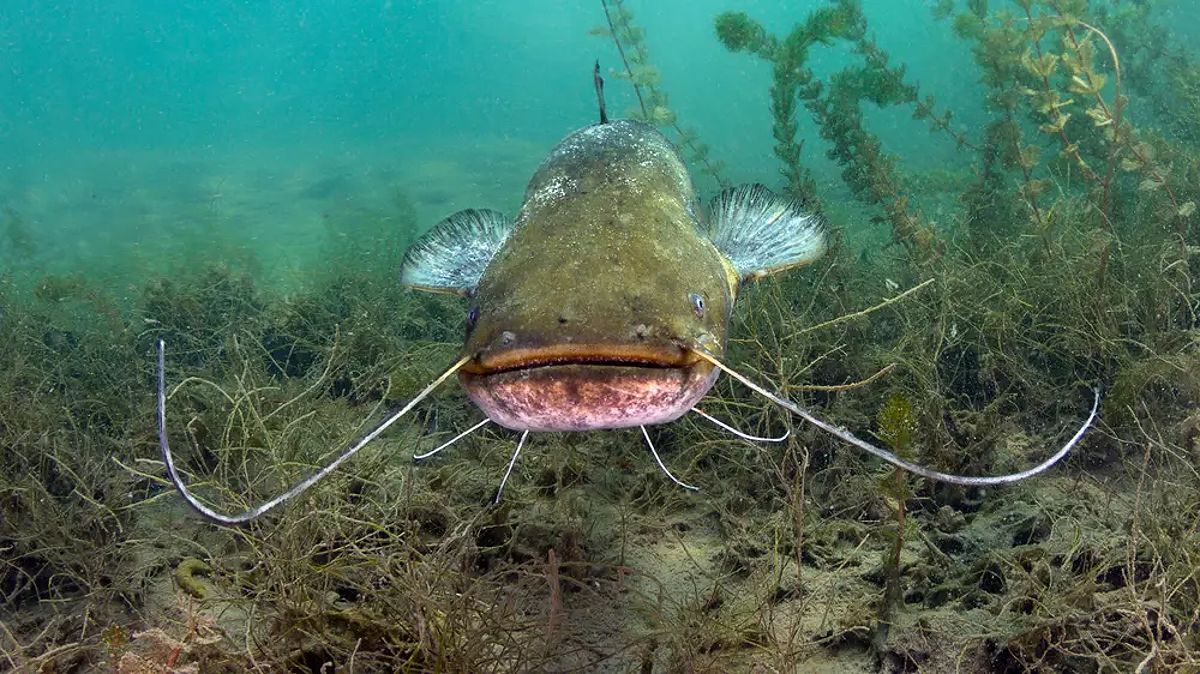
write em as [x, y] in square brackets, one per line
[588, 309]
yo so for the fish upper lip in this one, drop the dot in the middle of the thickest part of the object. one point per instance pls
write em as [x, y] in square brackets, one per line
[663, 357]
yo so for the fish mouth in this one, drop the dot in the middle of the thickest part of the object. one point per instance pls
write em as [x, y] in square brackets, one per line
[666, 356]
[573, 389]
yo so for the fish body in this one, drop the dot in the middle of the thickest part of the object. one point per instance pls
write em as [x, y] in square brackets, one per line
[584, 317]
[587, 312]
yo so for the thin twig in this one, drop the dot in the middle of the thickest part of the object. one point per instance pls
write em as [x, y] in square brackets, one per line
[864, 312]
[621, 50]
[843, 387]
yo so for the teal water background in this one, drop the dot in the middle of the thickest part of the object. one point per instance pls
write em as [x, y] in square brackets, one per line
[140, 138]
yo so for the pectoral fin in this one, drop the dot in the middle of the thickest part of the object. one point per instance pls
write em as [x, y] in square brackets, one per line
[451, 257]
[762, 233]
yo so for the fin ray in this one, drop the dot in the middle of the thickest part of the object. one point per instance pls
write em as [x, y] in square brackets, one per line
[762, 233]
[452, 256]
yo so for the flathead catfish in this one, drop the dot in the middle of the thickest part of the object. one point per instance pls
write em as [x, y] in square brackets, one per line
[606, 302]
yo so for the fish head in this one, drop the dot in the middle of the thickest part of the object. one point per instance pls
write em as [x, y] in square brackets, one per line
[604, 303]
[588, 315]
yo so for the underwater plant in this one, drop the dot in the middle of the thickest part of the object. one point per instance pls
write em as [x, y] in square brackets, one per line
[896, 427]
[836, 107]
[1164, 75]
[645, 79]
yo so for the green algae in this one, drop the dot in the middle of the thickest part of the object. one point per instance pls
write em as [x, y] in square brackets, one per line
[186, 573]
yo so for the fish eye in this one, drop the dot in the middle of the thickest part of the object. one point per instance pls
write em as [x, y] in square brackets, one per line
[472, 317]
[697, 304]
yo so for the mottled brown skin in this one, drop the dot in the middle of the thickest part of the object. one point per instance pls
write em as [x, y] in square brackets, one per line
[585, 316]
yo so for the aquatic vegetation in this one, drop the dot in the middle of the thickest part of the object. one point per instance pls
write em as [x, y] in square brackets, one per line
[1049, 69]
[836, 107]
[185, 576]
[201, 314]
[897, 423]
[1067, 261]
[1024, 79]
[1163, 74]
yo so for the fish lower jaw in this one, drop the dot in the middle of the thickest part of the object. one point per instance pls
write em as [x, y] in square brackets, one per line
[588, 397]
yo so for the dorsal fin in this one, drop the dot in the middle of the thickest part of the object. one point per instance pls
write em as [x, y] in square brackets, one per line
[451, 257]
[599, 82]
[762, 233]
